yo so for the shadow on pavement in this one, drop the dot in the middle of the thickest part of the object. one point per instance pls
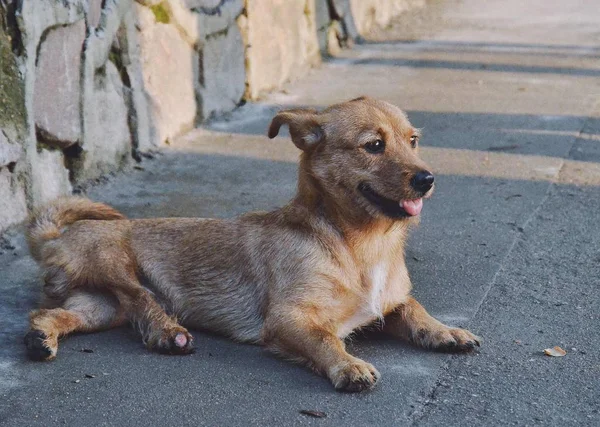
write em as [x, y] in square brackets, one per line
[534, 49]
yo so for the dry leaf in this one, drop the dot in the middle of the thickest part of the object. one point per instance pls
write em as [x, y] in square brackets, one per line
[555, 352]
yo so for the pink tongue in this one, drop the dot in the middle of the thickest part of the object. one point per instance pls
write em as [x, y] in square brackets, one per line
[412, 207]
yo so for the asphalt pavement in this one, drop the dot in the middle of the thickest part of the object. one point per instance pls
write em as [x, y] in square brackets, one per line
[508, 96]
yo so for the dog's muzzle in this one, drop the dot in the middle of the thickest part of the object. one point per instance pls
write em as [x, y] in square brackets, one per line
[391, 208]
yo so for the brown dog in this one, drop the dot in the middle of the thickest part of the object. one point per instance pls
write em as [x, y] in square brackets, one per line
[297, 280]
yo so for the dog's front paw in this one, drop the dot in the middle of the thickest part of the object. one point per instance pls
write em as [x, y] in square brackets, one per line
[452, 340]
[354, 376]
[173, 341]
[38, 346]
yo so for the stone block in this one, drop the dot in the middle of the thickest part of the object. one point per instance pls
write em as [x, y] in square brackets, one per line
[48, 178]
[205, 6]
[149, 2]
[94, 12]
[143, 136]
[222, 72]
[215, 15]
[9, 153]
[322, 16]
[371, 14]
[39, 16]
[41, 21]
[13, 207]
[107, 140]
[210, 27]
[336, 38]
[56, 99]
[186, 21]
[281, 42]
[170, 73]
[341, 12]
[322, 21]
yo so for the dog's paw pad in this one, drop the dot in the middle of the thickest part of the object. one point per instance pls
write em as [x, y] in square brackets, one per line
[175, 342]
[356, 377]
[37, 348]
[181, 340]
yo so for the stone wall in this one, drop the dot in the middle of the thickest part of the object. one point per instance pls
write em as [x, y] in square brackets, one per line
[90, 86]
[370, 15]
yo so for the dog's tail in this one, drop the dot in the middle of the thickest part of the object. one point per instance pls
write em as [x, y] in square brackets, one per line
[47, 222]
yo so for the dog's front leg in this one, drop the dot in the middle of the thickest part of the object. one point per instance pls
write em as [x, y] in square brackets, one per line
[410, 321]
[303, 341]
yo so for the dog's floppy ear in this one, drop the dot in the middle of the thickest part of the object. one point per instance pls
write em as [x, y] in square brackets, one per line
[305, 129]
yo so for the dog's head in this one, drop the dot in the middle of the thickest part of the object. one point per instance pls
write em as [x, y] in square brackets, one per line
[363, 154]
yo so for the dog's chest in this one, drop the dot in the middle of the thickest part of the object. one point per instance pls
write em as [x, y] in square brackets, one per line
[385, 287]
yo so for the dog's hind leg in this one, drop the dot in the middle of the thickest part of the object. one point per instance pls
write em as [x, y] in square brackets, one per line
[160, 332]
[81, 312]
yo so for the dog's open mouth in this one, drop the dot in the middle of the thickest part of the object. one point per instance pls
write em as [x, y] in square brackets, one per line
[389, 207]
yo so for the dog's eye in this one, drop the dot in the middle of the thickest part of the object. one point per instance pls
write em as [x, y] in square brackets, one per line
[375, 147]
[413, 141]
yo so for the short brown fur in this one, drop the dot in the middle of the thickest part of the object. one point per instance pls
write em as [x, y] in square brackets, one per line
[297, 280]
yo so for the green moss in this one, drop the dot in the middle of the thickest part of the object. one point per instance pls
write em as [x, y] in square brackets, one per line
[114, 57]
[161, 13]
[12, 95]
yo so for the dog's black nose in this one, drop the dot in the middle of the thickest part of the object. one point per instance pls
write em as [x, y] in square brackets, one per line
[422, 181]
